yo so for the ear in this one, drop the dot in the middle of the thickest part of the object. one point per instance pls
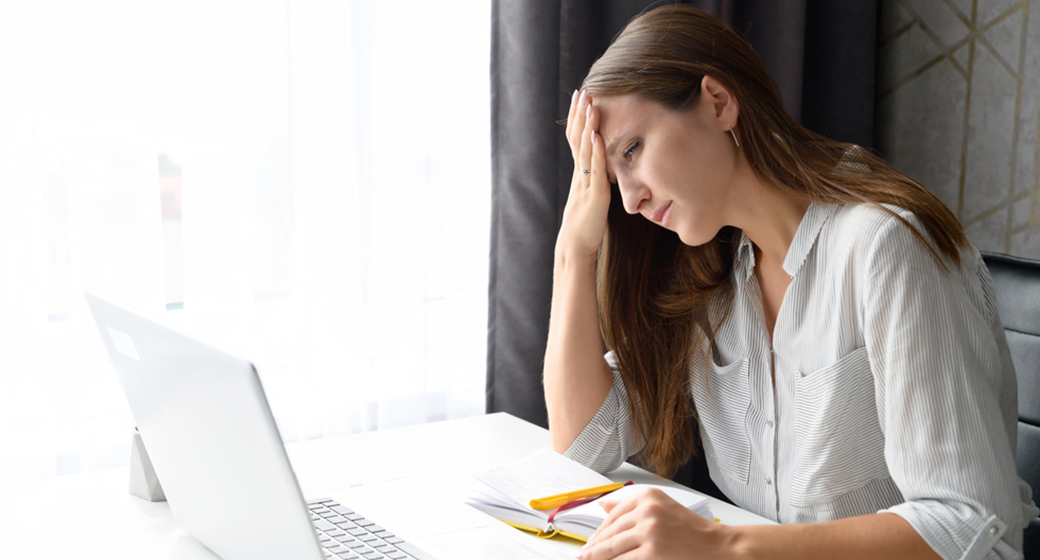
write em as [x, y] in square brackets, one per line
[724, 104]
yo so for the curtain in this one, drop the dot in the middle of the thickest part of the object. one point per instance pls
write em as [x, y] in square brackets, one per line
[302, 184]
[821, 55]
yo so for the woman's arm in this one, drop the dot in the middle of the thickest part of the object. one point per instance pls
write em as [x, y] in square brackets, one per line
[878, 535]
[944, 395]
[653, 525]
[576, 376]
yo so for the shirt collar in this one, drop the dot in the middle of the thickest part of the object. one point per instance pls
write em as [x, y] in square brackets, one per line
[804, 239]
[744, 262]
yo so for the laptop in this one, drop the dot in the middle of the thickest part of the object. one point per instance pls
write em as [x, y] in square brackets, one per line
[217, 452]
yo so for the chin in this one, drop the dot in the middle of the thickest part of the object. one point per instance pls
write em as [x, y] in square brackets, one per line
[693, 239]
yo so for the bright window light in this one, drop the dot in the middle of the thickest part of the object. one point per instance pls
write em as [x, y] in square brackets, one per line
[305, 184]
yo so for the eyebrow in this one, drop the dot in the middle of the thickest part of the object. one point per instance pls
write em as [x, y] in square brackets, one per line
[613, 145]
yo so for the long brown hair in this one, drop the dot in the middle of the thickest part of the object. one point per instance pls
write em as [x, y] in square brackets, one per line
[660, 300]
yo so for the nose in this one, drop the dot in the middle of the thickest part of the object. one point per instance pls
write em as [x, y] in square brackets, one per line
[633, 195]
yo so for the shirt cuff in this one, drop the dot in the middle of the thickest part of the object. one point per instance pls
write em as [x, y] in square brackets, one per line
[957, 532]
[609, 438]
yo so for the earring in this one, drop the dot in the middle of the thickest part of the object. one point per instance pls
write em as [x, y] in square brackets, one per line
[734, 136]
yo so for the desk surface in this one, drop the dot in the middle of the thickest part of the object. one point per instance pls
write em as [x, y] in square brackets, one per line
[92, 515]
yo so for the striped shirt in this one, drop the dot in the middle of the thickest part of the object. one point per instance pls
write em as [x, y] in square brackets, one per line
[895, 391]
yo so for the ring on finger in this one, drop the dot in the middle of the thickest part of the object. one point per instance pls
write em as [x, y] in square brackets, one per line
[585, 171]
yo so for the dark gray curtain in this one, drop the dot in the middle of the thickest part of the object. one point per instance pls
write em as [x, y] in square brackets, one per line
[820, 53]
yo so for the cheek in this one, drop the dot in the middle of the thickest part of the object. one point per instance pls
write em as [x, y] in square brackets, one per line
[671, 175]
[679, 159]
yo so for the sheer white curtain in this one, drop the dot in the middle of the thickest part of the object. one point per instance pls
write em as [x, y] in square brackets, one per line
[305, 184]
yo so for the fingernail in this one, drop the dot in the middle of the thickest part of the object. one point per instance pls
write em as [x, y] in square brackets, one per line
[581, 101]
[588, 112]
[592, 137]
[574, 97]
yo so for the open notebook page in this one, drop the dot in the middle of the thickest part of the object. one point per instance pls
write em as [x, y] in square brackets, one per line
[543, 473]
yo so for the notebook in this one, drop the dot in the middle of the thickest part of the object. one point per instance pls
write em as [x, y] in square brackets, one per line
[506, 493]
[217, 452]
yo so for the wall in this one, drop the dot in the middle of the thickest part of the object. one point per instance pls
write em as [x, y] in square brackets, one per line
[958, 97]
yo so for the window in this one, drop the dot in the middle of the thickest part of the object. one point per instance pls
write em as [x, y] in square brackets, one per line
[304, 184]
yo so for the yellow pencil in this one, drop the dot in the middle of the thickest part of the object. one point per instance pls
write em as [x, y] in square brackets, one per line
[555, 501]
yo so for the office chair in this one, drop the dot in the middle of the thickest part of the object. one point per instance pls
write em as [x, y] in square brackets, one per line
[1017, 284]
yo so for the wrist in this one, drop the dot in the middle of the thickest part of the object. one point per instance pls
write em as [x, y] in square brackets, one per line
[566, 257]
[737, 542]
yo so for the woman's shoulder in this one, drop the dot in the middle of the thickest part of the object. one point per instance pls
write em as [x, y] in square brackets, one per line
[873, 237]
[878, 236]
[863, 229]
[872, 218]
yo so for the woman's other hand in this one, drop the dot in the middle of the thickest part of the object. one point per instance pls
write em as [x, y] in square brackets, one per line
[585, 216]
[651, 525]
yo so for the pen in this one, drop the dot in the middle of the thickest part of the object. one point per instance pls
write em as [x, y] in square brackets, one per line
[557, 500]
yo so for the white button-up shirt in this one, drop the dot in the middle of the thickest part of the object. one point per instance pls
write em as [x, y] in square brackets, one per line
[895, 390]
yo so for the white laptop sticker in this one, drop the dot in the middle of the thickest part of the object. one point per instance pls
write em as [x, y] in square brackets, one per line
[123, 343]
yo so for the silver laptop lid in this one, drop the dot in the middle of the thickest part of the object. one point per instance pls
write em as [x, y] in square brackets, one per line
[212, 439]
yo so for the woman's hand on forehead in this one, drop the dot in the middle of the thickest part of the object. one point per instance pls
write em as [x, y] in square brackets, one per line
[585, 216]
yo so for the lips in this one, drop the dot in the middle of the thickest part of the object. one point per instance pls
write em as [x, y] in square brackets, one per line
[661, 214]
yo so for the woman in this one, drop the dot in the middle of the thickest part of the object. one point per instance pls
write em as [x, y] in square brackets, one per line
[834, 327]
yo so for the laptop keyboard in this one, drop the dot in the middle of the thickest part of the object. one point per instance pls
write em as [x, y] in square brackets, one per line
[346, 535]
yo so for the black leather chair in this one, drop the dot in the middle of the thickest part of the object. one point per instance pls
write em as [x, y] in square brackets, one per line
[1017, 283]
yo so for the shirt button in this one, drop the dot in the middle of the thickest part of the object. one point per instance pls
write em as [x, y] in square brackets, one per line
[993, 530]
[769, 481]
[769, 423]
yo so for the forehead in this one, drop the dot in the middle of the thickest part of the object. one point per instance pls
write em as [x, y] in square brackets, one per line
[620, 114]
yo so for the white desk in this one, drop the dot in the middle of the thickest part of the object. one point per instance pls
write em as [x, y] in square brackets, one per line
[92, 515]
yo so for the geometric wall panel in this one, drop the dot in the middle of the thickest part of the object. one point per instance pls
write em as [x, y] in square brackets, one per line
[957, 109]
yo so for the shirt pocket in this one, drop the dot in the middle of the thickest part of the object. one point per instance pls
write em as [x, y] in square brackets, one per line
[840, 445]
[722, 409]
